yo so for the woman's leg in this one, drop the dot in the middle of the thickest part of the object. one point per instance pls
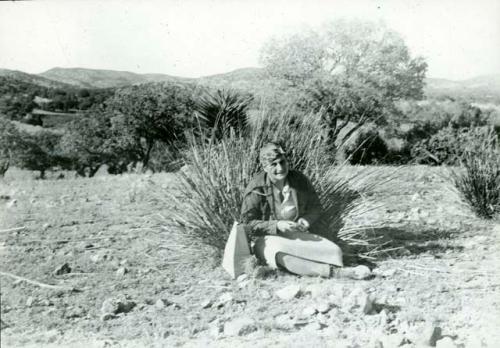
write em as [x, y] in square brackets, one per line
[304, 267]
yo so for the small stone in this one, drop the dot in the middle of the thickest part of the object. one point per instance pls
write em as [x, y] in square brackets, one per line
[315, 290]
[116, 306]
[206, 303]
[264, 294]
[314, 326]
[445, 342]
[46, 226]
[359, 300]
[29, 301]
[120, 272]
[240, 327]
[63, 269]
[309, 311]
[283, 322]
[394, 340]
[225, 298]
[289, 292]
[95, 258]
[107, 316]
[123, 262]
[430, 335]
[12, 203]
[162, 303]
[361, 272]
[323, 307]
[215, 329]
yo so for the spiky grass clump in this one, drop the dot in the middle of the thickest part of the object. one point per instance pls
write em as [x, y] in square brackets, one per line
[479, 177]
[211, 188]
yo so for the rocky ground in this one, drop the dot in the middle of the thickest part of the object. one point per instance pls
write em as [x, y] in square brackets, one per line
[90, 263]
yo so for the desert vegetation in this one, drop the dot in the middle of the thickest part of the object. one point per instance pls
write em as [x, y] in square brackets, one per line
[400, 173]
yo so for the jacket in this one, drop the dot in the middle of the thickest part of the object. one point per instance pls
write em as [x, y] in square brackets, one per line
[258, 208]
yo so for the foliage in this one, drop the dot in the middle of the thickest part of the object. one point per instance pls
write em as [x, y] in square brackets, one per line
[368, 148]
[352, 71]
[222, 110]
[479, 178]
[95, 139]
[152, 113]
[38, 151]
[217, 172]
[8, 137]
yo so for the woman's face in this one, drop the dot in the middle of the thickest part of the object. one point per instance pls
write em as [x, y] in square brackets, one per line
[277, 170]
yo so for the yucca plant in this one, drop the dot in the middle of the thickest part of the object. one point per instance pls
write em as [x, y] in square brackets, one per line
[223, 110]
[478, 178]
[211, 189]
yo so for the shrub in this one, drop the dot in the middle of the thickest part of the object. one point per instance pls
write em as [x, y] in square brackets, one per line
[479, 178]
[368, 148]
[211, 188]
[223, 110]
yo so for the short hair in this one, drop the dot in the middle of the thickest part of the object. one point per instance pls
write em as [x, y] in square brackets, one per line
[269, 152]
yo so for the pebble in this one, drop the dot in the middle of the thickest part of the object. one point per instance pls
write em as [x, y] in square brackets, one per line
[289, 292]
[264, 294]
[315, 290]
[107, 316]
[29, 301]
[120, 272]
[116, 306]
[323, 307]
[359, 300]
[225, 298]
[283, 322]
[309, 311]
[95, 258]
[242, 277]
[361, 272]
[445, 342]
[240, 327]
[162, 303]
[430, 335]
[63, 269]
[206, 303]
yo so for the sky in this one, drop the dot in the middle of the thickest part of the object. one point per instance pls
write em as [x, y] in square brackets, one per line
[459, 39]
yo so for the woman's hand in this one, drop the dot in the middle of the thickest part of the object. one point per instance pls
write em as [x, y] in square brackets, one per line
[290, 226]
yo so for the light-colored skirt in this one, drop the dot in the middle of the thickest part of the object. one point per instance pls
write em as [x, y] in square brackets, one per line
[304, 245]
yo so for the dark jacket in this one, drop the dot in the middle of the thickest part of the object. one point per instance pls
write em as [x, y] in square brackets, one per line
[258, 206]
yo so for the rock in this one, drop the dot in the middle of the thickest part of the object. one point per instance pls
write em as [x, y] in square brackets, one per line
[359, 300]
[107, 316]
[430, 335]
[283, 322]
[162, 303]
[95, 258]
[289, 292]
[215, 329]
[323, 307]
[394, 340]
[264, 294]
[314, 326]
[240, 327]
[29, 301]
[361, 272]
[12, 203]
[383, 317]
[206, 303]
[315, 290]
[309, 311]
[75, 312]
[63, 269]
[445, 342]
[116, 306]
[46, 226]
[226, 297]
[120, 272]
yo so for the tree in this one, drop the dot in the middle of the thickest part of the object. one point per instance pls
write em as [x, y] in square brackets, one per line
[8, 138]
[353, 70]
[150, 113]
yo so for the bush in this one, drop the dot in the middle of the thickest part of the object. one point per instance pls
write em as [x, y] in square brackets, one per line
[368, 148]
[211, 188]
[479, 178]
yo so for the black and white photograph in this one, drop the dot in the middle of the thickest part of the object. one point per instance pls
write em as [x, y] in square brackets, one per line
[235, 173]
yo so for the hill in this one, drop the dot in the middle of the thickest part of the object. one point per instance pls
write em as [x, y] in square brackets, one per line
[480, 89]
[32, 79]
[95, 78]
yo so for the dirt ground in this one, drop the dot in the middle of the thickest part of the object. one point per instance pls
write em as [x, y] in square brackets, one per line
[124, 279]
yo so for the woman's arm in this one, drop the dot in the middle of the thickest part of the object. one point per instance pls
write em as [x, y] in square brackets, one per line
[251, 215]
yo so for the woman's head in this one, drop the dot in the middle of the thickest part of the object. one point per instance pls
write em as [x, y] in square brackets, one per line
[273, 160]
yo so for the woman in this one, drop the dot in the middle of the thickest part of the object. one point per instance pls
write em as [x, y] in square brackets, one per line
[283, 213]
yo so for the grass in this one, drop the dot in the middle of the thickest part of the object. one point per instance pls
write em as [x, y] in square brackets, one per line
[211, 188]
[479, 178]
